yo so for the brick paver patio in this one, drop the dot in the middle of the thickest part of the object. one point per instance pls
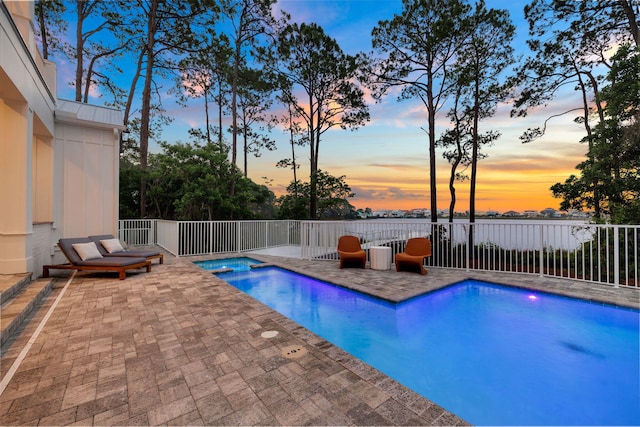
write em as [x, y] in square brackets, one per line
[179, 346]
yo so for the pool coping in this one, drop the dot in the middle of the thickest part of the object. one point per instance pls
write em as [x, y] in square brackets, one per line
[593, 292]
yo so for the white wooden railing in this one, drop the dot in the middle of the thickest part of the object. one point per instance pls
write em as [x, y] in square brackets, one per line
[188, 238]
[590, 252]
[138, 232]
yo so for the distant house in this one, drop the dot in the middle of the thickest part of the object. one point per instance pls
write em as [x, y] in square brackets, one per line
[420, 213]
[60, 159]
[550, 213]
[512, 214]
[579, 214]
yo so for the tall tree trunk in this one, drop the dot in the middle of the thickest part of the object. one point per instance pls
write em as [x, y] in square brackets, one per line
[87, 86]
[474, 169]
[234, 104]
[246, 149]
[596, 93]
[79, 50]
[234, 113]
[313, 183]
[293, 154]
[43, 31]
[134, 83]
[431, 110]
[220, 100]
[631, 17]
[452, 188]
[145, 113]
[587, 127]
[206, 115]
[457, 159]
[432, 171]
[313, 179]
[94, 59]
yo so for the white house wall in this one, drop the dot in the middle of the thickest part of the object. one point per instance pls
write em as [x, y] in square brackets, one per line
[26, 109]
[58, 159]
[90, 183]
[22, 72]
[15, 191]
[42, 179]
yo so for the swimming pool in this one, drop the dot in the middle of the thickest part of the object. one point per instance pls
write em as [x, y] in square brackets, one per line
[488, 353]
[236, 264]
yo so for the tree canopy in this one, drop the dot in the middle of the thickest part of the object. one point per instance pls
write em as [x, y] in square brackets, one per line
[612, 169]
[190, 182]
[332, 193]
[449, 55]
[415, 51]
[318, 83]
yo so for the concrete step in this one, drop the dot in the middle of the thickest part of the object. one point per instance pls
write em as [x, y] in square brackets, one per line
[11, 284]
[19, 296]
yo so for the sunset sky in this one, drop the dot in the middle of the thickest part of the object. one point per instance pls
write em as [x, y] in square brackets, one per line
[386, 162]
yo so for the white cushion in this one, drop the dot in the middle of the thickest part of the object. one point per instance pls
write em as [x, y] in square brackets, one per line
[87, 250]
[112, 245]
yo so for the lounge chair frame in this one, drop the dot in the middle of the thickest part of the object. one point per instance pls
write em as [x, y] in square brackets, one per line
[101, 264]
[122, 271]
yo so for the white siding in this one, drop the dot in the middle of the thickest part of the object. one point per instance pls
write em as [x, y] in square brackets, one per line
[90, 181]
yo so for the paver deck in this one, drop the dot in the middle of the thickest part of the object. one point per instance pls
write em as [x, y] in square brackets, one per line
[179, 346]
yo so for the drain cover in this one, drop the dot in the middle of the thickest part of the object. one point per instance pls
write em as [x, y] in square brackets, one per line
[269, 334]
[293, 351]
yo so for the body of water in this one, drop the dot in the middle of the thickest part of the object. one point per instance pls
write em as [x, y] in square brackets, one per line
[525, 234]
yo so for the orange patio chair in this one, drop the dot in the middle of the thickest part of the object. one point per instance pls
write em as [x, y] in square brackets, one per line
[350, 251]
[417, 249]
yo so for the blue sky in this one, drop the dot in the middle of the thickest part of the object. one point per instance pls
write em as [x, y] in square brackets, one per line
[386, 162]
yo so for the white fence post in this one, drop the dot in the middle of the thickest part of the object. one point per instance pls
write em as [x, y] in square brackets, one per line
[616, 256]
[541, 249]
[178, 238]
[467, 258]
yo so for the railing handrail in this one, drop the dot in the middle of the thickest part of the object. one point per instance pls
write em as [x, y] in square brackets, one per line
[599, 253]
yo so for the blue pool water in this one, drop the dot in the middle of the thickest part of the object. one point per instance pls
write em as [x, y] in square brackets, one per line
[491, 354]
[236, 264]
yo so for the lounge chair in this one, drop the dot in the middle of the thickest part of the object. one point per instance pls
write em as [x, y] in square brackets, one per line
[85, 256]
[416, 250]
[111, 247]
[350, 251]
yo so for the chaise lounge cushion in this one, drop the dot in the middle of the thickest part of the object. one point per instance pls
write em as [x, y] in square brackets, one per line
[125, 252]
[112, 245]
[67, 247]
[87, 251]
